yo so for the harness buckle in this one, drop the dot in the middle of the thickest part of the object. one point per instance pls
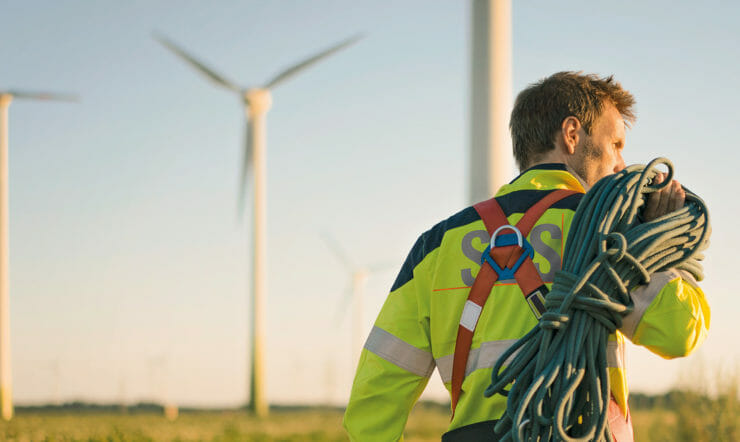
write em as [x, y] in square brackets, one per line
[509, 239]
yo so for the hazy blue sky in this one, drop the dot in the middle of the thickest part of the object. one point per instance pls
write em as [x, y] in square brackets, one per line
[128, 265]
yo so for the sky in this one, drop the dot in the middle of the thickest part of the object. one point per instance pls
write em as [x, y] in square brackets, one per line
[129, 263]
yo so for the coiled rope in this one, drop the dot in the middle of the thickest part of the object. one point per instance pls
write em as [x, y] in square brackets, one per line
[561, 388]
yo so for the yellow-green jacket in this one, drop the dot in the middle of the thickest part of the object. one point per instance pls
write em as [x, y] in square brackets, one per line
[417, 326]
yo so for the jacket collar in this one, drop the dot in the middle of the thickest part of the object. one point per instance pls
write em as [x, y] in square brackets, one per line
[546, 176]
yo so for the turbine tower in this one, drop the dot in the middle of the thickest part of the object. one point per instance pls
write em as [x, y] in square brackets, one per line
[6, 390]
[490, 98]
[257, 102]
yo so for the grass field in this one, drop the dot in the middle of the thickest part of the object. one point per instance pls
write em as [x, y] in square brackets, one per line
[426, 423]
[300, 425]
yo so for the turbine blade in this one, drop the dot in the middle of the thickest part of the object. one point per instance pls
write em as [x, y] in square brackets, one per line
[379, 267]
[246, 166]
[338, 251]
[289, 72]
[43, 96]
[210, 73]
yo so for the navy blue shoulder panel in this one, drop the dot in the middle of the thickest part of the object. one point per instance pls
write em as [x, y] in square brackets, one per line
[570, 202]
[515, 202]
[430, 240]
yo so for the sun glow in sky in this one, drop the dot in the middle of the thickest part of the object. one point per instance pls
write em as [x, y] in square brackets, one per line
[129, 262]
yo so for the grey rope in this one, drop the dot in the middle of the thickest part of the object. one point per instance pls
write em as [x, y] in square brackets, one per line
[562, 384]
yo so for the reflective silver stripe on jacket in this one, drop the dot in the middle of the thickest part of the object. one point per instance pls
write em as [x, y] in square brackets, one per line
[482, 357]
[489, 352]
[615, 355]
[643, 296]
[400, 352]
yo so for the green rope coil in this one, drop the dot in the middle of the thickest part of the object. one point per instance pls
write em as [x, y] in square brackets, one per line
[562, 385]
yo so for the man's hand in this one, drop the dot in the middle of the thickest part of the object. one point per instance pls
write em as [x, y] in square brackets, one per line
[666, 200]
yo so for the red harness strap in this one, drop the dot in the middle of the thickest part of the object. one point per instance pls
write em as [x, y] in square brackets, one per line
[505, 257]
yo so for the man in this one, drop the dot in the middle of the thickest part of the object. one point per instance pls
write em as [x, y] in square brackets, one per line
[568, 131]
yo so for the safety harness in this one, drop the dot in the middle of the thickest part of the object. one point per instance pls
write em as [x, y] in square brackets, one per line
[508, 256]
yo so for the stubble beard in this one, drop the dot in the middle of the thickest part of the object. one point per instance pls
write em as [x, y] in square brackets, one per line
[587, 157]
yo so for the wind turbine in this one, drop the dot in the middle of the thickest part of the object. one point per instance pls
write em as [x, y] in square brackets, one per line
[257, 102]
[158, 375]
[6, 97]
[354, 293]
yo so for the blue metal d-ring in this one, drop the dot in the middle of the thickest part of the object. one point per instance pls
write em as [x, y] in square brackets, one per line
[509, 239]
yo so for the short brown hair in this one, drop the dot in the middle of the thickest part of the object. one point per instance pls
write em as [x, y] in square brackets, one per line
[540, 109]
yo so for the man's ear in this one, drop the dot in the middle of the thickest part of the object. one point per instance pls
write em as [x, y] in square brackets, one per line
[570, 133]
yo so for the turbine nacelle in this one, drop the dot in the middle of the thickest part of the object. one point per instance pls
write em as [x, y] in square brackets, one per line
[258, 101]
[360, 276]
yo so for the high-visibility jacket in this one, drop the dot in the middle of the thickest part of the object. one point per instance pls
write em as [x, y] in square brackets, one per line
[417, 326]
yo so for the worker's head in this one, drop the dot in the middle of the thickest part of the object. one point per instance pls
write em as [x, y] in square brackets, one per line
[575, 118]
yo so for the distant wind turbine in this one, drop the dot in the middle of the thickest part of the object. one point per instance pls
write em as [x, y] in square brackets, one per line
[158, 375]
[6, 388]
[354, 293]
[257, 102]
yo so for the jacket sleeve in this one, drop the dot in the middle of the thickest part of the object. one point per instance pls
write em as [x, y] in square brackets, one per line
[671, 315]
[396, 362]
